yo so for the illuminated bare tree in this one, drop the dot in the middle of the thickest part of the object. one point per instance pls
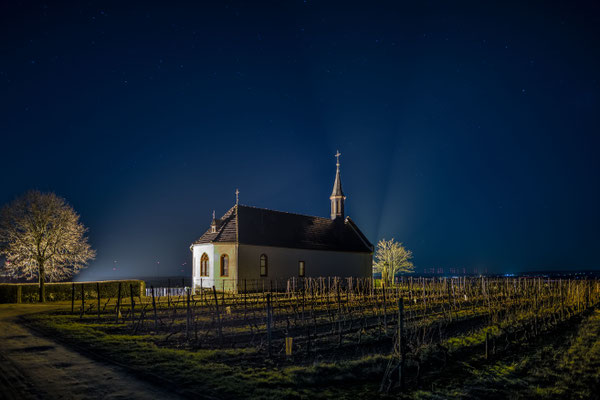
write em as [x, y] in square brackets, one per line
[390, 258]
[41, 236]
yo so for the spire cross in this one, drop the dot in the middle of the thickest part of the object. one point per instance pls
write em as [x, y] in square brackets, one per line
[337, 156]
[213, 214]
[237, 196]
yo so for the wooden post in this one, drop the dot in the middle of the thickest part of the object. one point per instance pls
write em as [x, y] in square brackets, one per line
[73, 298]
[307, 339]
[19, 293]
[154, 308]
[487, 338]
[303, 299]
[384, 307]
[169, 293]
[82, 301]
[245, 296]
[223, 295]
[339, 315]
[98, 296]
[401, 341]
[188, 316]
[449, 299]
[587, 293]
[132, 303]
[424, 299]
[195, 328]
[118, 303]
[535, 322]
[288, 346]
[562, 301]
[269, 323]
[218, 315]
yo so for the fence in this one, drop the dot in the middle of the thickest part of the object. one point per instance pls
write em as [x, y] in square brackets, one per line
[167, 291]
[279, 285]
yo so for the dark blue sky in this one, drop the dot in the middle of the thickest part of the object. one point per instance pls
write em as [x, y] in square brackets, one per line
[468, 131]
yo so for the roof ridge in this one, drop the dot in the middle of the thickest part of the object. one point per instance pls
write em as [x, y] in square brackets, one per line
[357, 230]
[223, 222]
[284, 212]
[227, 212]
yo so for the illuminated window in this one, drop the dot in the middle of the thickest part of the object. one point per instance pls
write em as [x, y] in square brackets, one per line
[301, 269]
[224, 265]
[204, 265]
[264, 265]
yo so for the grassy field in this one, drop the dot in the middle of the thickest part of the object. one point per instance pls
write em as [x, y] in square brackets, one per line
[230, 373]
[542, 341]
[563, 363]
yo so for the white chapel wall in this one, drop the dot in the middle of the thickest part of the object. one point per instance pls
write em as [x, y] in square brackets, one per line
[283, 263]
[214, 278]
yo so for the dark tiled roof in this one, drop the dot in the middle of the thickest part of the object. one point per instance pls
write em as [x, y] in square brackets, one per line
[226, 230]
[262, 227]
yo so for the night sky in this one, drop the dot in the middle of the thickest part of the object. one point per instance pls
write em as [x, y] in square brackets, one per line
[468, 131]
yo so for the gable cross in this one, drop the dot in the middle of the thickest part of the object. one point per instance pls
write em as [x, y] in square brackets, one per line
[237, 196]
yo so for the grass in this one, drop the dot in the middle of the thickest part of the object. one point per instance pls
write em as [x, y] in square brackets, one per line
[216, 373]
[564, 364]
[561, 363]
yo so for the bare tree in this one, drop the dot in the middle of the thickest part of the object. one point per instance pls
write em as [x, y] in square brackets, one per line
[390, 258]
[41, 236]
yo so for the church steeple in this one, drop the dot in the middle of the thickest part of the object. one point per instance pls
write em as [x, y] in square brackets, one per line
[337, 195]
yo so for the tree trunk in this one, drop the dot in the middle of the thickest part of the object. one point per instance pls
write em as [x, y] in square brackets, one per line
[42, 278]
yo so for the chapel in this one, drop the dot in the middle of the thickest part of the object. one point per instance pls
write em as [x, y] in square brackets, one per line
[252, 248]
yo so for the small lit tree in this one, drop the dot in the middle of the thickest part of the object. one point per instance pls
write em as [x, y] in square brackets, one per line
[391, 258]
[41, 236]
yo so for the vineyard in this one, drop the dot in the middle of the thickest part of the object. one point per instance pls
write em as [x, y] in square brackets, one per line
[417, 325]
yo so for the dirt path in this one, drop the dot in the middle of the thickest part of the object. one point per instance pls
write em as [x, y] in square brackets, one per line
[34, 367]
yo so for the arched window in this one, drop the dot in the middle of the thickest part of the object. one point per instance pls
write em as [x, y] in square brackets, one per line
[204, 265]
[264, 265]
[224, 265]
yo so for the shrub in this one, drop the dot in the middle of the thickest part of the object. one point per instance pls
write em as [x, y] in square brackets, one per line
[62, 291]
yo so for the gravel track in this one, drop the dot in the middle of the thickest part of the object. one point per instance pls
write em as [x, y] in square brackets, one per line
[36, 367]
